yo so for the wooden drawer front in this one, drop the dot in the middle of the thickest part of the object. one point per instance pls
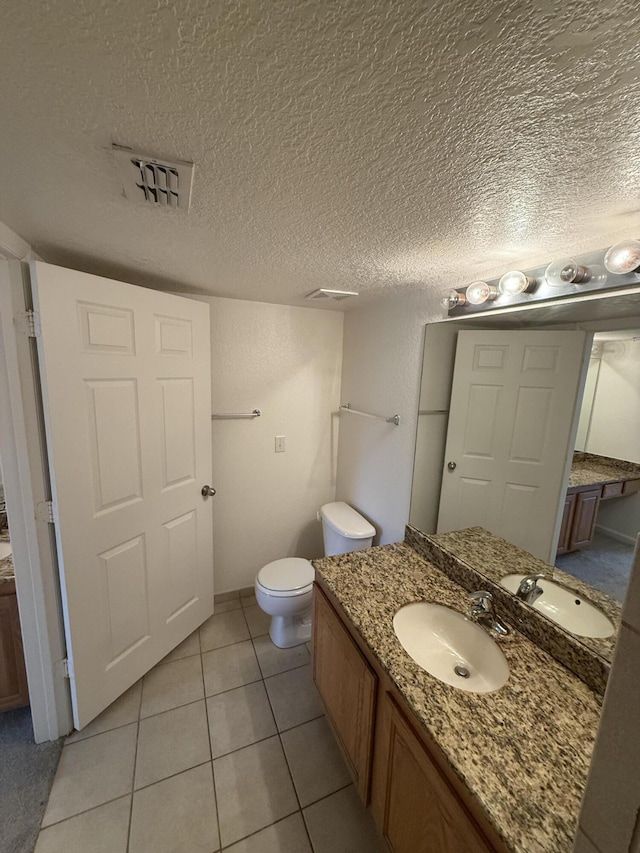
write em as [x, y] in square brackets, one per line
[611, 490]
[422, 813]
[630, 487]
[13, 678]
[347, 686]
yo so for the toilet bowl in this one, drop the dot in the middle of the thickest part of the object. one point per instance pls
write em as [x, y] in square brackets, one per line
[284, 588]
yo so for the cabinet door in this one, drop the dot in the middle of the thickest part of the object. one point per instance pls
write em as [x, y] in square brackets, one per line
[14, 692]
[567, 522]
[422, 813]
[584, 519]
[347, 686]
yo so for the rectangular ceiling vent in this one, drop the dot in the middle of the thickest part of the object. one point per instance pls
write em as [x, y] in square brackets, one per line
[161, 183]
[323, 293]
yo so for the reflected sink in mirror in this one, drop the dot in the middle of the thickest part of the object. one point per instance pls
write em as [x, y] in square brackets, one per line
[450, 647]
[564, 606]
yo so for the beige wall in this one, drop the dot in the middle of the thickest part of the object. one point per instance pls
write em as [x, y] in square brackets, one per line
[613, 427]
[287, 362]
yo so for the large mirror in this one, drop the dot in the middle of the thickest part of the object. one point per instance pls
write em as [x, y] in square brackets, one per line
[593, 517]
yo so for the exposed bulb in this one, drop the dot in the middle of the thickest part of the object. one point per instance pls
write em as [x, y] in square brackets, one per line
[479, 292]
[515, 282]
[567, 271]
[453, 299]
[623, 257]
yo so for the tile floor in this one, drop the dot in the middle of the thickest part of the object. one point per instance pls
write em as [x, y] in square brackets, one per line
[222, 746]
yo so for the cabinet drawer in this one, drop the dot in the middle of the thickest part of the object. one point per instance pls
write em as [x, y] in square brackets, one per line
[630, 487]
[611, 490]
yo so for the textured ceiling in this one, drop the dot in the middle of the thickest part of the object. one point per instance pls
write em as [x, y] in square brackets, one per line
[376, 146]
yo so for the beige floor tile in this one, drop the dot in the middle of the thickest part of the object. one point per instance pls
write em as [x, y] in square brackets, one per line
[340, 824]
[92, 772]
[257, 620]
[254, 789]
[188, 647]
[123, 711]
[294, 698]
[239, 718]
[286, 836]
[169, 685]
[273, 660]
[249, 601]
[171, 742]
[223, 630]
[177, 814]
[104, 829]
[315, 762]
[230, 667]
[226, 606]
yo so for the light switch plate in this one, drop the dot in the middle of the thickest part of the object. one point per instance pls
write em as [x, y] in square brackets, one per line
[280, 444]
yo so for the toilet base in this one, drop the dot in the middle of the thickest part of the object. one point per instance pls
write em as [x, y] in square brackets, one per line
[289, 631]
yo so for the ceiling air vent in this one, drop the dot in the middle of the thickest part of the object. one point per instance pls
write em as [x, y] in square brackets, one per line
[323, 293]
[146, 180]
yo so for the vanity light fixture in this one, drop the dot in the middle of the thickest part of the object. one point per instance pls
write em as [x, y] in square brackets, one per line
[515, 282]
[624, 257]
[479, 292]
[567, 271]
[453, 299]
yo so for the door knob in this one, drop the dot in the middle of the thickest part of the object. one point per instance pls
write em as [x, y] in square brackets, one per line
[207, 492]
[452, 466]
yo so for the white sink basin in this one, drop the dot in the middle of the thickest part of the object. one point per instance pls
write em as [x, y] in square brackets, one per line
[566, 607]
[5, 550]
[442, 641]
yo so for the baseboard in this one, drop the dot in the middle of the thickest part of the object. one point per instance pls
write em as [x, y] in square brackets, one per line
[614, 534]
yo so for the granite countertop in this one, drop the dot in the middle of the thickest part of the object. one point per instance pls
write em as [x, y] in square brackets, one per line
[6, 565]
[587, 469]
[523, 751]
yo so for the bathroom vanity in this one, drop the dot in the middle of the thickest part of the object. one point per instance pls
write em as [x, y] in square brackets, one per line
[440, 768]
[14, 692]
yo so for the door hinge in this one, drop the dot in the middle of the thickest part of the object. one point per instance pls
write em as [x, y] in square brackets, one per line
[28, 324]
[45, 512]
[66, 671]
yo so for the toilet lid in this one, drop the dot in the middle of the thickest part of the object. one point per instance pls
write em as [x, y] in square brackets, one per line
[290, 573]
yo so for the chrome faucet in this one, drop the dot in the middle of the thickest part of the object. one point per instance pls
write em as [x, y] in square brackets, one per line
[482, 611]
[529, 590]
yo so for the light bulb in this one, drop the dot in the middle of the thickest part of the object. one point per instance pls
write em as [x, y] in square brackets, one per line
[623, 257]
[514, 282]
[567, 271]
[453, 299]
[479, 292]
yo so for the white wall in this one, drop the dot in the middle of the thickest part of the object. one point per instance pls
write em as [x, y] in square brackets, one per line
[382, 361]
[613, 429]
[287, 362]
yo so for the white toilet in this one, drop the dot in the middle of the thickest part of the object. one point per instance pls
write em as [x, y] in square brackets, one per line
[284, 587]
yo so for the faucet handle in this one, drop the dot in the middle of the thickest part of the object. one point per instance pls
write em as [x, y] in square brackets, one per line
[482, 598]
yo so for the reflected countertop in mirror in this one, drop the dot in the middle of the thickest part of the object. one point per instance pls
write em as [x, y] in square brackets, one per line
[494, 558]
[589, 469]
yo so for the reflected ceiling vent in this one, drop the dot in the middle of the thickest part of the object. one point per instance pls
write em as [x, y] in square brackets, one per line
[323, 293]
[161, 183]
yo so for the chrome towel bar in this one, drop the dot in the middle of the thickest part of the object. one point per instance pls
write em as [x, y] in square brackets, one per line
[226, 417]
[394, 419]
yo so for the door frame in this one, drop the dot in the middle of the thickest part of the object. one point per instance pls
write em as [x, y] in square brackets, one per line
[26, 483]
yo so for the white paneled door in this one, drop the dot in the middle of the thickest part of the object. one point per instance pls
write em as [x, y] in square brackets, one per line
[512, 425]
[126, 387]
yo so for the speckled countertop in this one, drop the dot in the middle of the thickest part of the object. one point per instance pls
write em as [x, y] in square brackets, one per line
[587, 469]
[6, 565]
[523, 751]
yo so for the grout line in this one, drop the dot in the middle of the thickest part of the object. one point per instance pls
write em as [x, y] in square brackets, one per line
[171, 776]
[90, 809]
[213, 775]
[252, 834]
[135, 762]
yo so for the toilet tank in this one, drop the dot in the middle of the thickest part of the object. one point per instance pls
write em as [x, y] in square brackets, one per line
[344, 529]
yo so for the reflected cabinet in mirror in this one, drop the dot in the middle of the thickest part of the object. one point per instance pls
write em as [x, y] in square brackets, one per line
[527, 428]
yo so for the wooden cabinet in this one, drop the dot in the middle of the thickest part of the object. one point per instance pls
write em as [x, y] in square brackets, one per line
[420, 813]
[417, 804]
[14, 692]
[584, 518]
[567, 523]
[347, 686]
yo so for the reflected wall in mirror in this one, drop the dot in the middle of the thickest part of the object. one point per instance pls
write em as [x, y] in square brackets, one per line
[595, 514]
